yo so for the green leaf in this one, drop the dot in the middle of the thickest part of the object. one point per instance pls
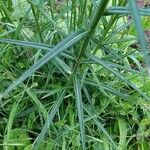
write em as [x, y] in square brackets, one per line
[49, 121]
[65, 44]
[140, 32]
[78, 96]
[118, 75]
[123, 134]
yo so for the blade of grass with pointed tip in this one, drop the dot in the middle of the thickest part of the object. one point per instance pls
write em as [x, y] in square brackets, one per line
[63, 65]
[37, 102]
[109, 89]
[117, 74]
[65, 44]
[48, 122]
[34, 98]
[100, 126]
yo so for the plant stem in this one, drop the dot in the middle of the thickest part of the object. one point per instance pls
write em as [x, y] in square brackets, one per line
[99, 13]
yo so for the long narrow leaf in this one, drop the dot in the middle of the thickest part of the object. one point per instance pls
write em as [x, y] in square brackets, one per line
[48, 122]
[66, 43]
[27, 44]
[138, 24]
[77, 89]
[125, 11]
[118, 75]
[100, 127]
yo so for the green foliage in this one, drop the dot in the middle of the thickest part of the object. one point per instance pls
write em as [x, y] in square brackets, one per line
[18, 138]
[74, 75]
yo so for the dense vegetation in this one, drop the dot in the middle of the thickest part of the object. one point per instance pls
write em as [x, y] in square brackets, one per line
[74, 75]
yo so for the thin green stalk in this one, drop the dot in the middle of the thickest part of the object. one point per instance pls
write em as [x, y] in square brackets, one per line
[36, 21]
[83, 11]
[99, 13]
[73, 16]
[51, 3]
[108, 27]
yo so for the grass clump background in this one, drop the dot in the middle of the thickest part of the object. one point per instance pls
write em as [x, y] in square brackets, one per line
[74, 75]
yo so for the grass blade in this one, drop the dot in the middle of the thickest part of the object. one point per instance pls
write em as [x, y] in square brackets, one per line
[78, 96]
[48, 122]
[138, 24]
[27, 44]
[100, 126]
[117, 74]
[66, 43]
[99, 13]
[123, 134]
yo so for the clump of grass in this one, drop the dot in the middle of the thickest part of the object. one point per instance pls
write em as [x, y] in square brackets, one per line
[70, 77]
